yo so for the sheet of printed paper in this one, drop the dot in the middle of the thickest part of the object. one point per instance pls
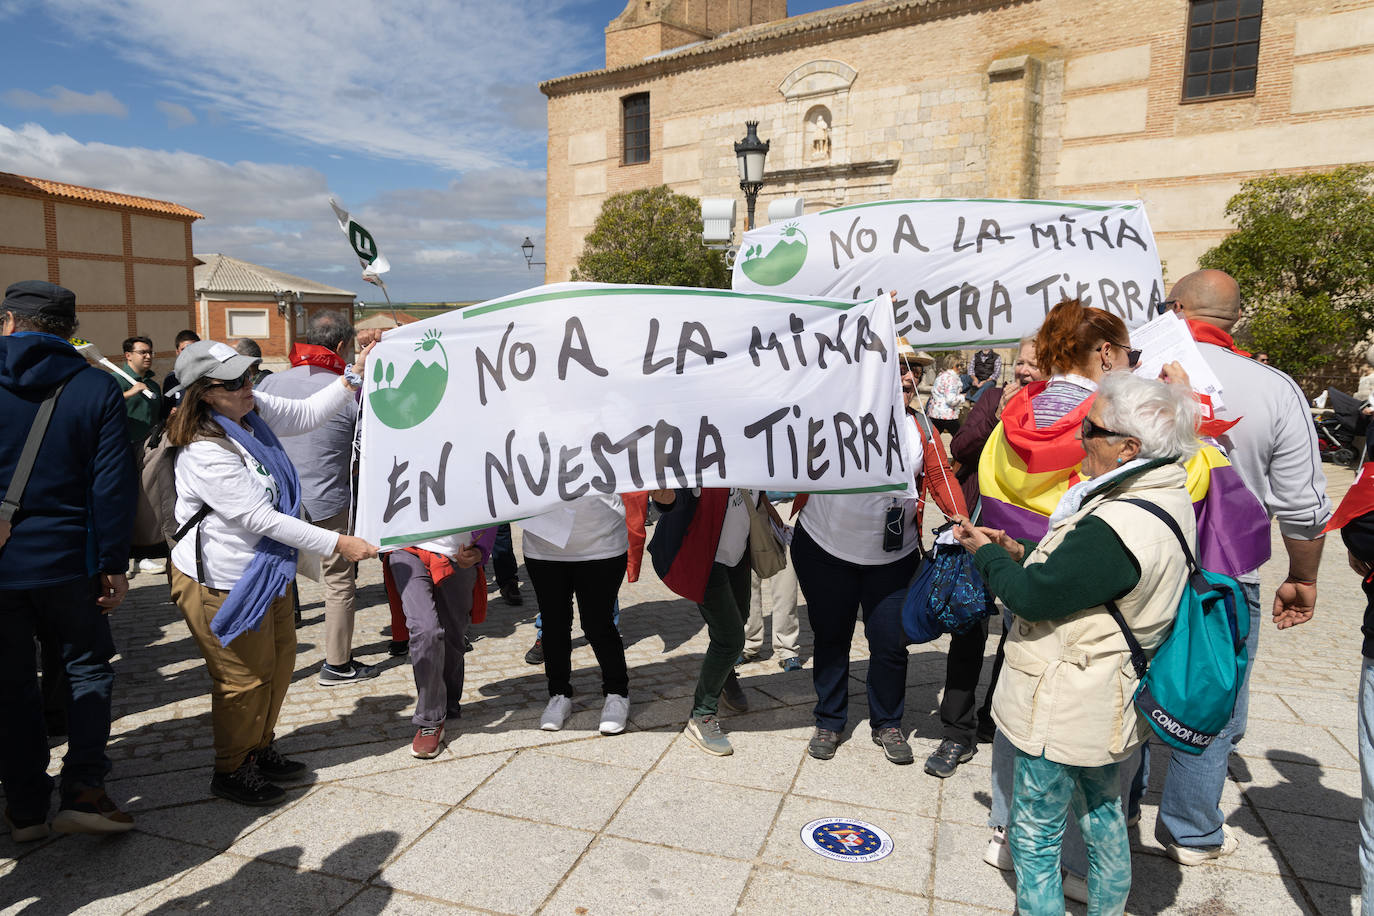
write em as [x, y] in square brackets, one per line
[1165, 340]
[554, 526]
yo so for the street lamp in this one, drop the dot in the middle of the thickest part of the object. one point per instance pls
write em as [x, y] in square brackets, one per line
[749, 155]
[528, 248]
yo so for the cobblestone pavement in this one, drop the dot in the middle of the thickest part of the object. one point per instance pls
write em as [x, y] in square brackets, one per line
[511, 819]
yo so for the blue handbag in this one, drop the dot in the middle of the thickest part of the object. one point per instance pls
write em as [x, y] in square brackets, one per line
[947, 595]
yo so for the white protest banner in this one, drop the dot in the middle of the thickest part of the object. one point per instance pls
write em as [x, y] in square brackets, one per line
[966, 272]
[507, 409]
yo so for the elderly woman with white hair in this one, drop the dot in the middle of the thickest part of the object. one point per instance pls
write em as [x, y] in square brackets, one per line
[1064, 699]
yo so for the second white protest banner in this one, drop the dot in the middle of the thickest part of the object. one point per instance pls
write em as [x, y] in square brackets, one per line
[508, 408]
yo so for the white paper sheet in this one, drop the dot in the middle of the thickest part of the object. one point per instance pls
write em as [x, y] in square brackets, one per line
[1165, 340]
[555, 526]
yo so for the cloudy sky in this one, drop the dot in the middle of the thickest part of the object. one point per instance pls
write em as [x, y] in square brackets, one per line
[424, 119]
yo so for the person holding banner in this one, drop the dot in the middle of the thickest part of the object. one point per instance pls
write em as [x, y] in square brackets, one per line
[861, 550]
[1064, 698]
[589, 564]
[231, 576]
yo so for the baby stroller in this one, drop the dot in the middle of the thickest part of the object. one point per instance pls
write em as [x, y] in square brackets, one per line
[1337, 429]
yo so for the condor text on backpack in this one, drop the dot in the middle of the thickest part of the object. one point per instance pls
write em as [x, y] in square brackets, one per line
[1188, 691]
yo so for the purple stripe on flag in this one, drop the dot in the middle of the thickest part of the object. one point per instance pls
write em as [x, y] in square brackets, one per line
[1232, 526]
[1017, 521]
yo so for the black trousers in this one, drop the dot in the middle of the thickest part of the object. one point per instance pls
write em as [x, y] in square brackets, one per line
[596, 584]
[959, 713]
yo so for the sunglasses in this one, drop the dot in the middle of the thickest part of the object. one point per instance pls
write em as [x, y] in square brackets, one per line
[1168, 305]
[1092, 431]
[234, 384]
[913, 368]
[1132, 356]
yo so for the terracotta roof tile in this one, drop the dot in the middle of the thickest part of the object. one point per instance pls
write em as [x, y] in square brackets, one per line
[95, 195]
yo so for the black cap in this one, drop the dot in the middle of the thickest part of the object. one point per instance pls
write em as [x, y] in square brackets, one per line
[38, 297]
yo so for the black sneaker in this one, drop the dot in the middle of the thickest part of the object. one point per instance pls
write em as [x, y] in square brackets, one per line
[467, 645]
[274, 766]
[535, 656]
[823, 743]
[246, 786]
[894, 745]
[947, 758]
[356, 671]
[733, 696]
[510, 591]
[398, 647]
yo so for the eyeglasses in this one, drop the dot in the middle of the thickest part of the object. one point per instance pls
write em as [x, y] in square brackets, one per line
[141, 352]
[913, 368]
[1092, 431]
[1132, 356]
[233, 384]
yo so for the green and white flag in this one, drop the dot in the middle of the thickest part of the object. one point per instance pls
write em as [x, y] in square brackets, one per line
[374, 263]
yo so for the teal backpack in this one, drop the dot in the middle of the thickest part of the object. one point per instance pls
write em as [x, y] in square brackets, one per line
[1188, 692]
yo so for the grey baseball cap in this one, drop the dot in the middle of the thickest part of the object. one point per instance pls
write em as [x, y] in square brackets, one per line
[210, 359]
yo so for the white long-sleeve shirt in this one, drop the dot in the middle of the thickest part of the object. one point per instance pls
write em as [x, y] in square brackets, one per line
[242, 493]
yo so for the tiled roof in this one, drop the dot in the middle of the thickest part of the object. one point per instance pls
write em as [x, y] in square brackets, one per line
[219, 273]
[95, 195]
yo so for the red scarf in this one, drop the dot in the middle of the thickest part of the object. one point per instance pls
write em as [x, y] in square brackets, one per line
[312, 355]
[1209, 333]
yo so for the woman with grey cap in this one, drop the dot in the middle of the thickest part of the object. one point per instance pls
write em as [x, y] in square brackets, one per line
[237, 508]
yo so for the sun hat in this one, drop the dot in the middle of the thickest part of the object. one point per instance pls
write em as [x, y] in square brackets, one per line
[210, 359]
[908, 352]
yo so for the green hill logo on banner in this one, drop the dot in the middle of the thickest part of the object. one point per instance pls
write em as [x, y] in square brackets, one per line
[780, 264]
[421, 388]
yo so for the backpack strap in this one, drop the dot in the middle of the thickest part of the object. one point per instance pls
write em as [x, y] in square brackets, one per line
[29, 455]
[1138, 660]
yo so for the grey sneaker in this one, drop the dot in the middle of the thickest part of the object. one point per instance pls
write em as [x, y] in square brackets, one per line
[894, 745]
[733, 695]
[705, 733]
[355, 671]
[823, 743]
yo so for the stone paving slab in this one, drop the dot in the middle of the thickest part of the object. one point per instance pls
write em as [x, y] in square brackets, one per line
[510, 819]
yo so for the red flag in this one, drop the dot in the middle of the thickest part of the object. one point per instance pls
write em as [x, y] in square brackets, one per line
[1358, 500]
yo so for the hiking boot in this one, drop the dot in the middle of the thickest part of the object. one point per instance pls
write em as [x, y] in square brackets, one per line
[87, 810]
[614, 714]
[791, 664]
[398, 647]
[823, 743]
[894, 745]
[274, 766]
[353, 671]
[998, 853]
[947, 758]
[429, 740]
[1188, 855]
[510, 591]
[556, 713]
[705, 733]
[26, 830]
[535, 656]
[467, 645]
[746, 657]
[732, 697]
[246, 786]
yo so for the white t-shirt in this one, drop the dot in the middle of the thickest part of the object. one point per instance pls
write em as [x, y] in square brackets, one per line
[449, 544]
[242, 493]
[850, 525]
[598, 532]
[734, 529]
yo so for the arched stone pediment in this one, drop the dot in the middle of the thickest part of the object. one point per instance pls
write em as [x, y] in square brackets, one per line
[817, 77]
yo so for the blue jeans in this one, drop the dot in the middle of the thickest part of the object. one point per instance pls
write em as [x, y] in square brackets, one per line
[1366, 732]
[1190, 808]
[67, 616]
[503, 556]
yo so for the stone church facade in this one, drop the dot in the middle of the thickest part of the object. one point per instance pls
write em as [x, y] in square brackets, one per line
[1175, 102]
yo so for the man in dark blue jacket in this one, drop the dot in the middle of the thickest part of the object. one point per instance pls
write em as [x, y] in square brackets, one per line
[62, 566]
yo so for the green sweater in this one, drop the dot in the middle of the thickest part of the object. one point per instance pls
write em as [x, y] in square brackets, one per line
[1089, 567]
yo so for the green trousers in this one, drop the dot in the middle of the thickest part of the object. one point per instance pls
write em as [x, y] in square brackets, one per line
[725, 610]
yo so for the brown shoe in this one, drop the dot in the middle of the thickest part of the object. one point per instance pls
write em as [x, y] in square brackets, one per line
[428, 742]
[88, 810]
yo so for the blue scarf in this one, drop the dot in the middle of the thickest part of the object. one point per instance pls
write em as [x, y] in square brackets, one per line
[273, 567]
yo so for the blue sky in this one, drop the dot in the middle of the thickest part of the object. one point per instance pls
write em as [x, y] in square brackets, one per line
[424, 119]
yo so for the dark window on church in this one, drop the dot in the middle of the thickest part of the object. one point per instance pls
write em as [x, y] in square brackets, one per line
[635, 112]
[1223, 48]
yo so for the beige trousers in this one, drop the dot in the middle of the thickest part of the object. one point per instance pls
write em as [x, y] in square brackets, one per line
[340, 587]
[248, 678]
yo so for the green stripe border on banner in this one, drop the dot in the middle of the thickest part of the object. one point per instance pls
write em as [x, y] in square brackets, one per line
[1077, 205]
[658, 291]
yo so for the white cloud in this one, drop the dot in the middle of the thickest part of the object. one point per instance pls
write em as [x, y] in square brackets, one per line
[177, 115]
[63, 101]
[450, 84]
[458, 242]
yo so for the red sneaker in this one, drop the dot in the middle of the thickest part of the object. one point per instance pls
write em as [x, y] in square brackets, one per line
[428, 742]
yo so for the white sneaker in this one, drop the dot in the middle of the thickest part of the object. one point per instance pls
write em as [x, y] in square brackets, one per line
[152, 566]
[614, 714]
[1075, 887]
[998, 853]
[1196, 855]
[556, 713]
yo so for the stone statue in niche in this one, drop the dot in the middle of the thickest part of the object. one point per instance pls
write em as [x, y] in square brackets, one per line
[818, 135]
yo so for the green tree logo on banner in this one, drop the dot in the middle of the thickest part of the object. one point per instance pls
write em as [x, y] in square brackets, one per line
[783, 262]
[421, 389]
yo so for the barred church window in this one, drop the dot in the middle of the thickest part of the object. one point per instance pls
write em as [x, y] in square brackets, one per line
[635, 117]
[1223, 48]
